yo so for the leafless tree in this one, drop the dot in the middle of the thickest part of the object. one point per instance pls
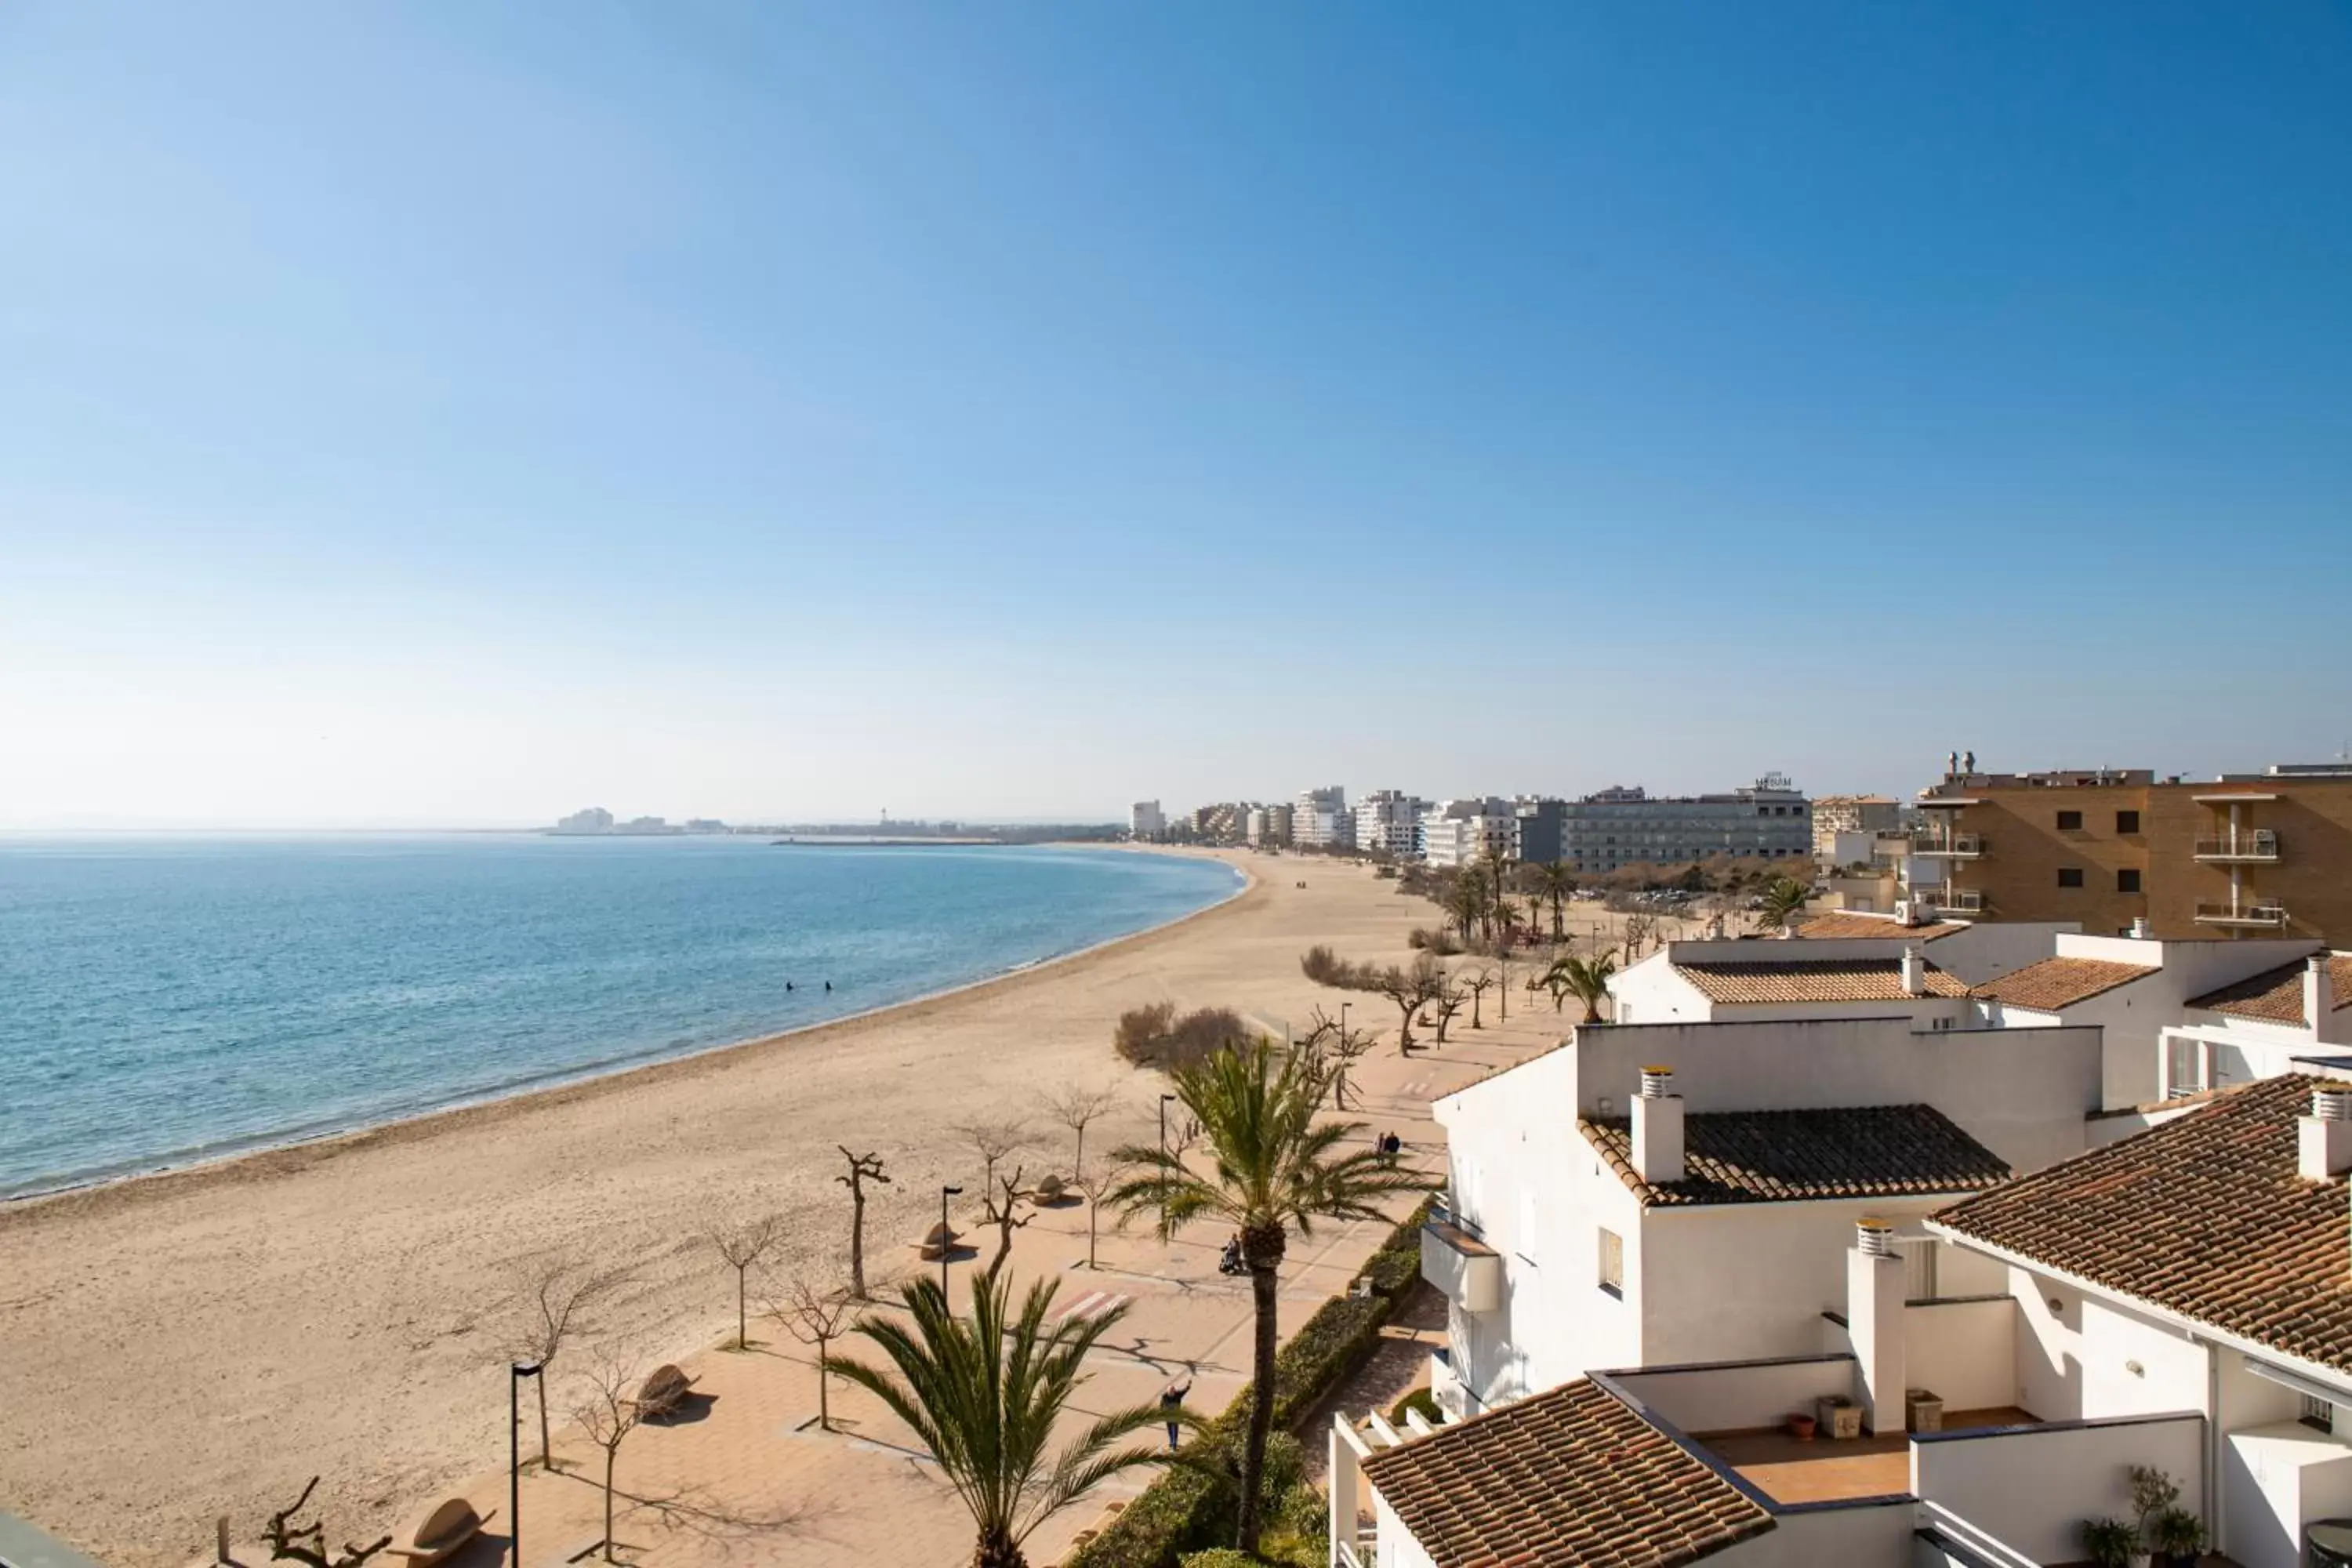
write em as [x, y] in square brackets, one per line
[1075, 1107]
[1637, 931]
[743, 1244]
[307, 1544]
[1096, 1184]
[863, 1168]
[994, 1141]
[1335, 1049]
[1476, 981]
[608, 1412]
[1410, 987]
[1000, 1204]
[1447, 1002]
[814, 1315]
[556, 1299]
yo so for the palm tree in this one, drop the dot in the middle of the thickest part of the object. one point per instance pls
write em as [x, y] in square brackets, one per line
[1783, 897]
[983, 1394]
[1276, 1166]
[1555, 881]
[1467, 903]
[1497, 890]
[1586, 979]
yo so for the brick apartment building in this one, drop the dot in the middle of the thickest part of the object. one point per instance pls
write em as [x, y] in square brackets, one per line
[2266, 854]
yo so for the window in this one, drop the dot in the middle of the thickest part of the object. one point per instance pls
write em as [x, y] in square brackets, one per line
[1613, 1263]
[2127, 882]
[2070, 821]
[2318, 1413]
[2070, 875]
[2127, 822]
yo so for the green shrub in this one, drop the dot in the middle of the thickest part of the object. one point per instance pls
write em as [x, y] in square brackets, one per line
[1419, 1399]
[1219, 1557]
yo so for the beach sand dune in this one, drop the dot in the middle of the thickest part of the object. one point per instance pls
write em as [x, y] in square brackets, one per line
[196, 1343]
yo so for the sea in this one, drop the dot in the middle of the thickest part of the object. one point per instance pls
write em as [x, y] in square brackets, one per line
[170, 999]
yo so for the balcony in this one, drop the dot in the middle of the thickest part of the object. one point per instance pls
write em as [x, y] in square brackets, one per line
[2247, 846]
[1950, 900]
[2253, 914]
[1465, 1270]
[1948, 846]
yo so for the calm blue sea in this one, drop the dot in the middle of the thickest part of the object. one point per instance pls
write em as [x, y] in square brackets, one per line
[170, 999]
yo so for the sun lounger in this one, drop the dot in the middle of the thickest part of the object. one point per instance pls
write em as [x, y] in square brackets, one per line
[936, 1244]
[664, 1392]
[441, 1532]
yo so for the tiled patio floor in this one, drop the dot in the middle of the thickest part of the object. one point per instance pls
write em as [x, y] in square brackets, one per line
[1827, 1470]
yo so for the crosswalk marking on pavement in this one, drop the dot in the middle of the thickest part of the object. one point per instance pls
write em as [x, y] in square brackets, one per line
[1094, 1304]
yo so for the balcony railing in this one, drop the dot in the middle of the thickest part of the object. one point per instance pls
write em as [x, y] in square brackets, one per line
[2251, 844]
[1948, 846]
[2253, 913]
[1465, 1270]
[1951, 900]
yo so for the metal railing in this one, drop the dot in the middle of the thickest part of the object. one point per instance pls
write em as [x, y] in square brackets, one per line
[2252, 913]
[1954, 901]
[2252, 843]
[1958, 846]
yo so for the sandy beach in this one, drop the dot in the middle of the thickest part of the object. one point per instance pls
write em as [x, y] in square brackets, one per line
[201, 1342]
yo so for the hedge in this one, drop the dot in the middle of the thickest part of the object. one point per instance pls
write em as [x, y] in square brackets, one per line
[1189, 1508]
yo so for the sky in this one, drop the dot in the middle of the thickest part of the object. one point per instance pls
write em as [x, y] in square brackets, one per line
[444, 415]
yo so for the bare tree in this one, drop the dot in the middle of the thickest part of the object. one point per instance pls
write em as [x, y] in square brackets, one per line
[743, 1244]
[993, 1141]
[307, 1544]
[1075, 1107]
[863, 1168]
[1638, 930]
[1000, 1204]
[1410, 987]
[1447, 1002]
[1476, 981]
[608, 1413]
[556, 1301]
[1096, 1184]
[815, 1315]
[1334, 1050]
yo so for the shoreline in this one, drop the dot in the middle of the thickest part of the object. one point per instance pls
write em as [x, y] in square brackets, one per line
[580, 1083]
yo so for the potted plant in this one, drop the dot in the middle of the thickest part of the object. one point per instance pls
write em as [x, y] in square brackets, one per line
[2154, 1495]
[2179, 1537]
[1800, 1427]
[2109, 1543]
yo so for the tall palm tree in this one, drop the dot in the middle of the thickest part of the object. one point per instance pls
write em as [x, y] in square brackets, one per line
[1274, 1166]
[983, 1393]
[1783, 897]
[1556, 881]
[1467, 904]
[1586, 979]
[1497, 889]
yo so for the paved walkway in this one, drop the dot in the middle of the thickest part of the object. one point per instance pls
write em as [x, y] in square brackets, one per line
[745, 1476]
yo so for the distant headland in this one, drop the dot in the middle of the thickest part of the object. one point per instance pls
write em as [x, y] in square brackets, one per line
[595, 822]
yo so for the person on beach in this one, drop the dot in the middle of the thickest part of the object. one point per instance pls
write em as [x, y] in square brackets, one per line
[1171, 1400]
[788, 985]
[828, 985]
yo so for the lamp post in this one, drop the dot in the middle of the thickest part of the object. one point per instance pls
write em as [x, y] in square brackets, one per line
[516, 1373]
[947, 1237]
[1343, 1023]
[1163, 1164]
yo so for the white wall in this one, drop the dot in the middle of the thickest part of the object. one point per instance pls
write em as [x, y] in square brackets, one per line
[1397, 1549]
[2021, 1093]
[1738, 1398]
[2275, 1480]
[2077, 1362]
[2032, 1487]
[1964, 1351]
[1874, 1537]
[1990, 949]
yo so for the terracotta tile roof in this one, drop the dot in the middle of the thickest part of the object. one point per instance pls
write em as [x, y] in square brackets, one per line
[2276, 995]
[2057, 983]
[2204, 1216]
[1813, 980]
[1844, 925]
[1567, 1477]
[1780, 1156]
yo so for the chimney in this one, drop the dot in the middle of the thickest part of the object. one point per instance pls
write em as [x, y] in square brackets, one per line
[2324, 1138]
[1875, 1293]
[1658, 1128]
[2318, 995]
[1915, 973]
[2141, 930]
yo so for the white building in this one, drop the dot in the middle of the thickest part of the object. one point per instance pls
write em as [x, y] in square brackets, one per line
[1388, 823]
[2181, 1302]
[1919, 972]
[1146, 820]
[1468, 832]
[1320, 817]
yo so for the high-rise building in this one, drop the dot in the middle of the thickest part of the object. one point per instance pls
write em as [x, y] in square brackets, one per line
[1466, 832]
[1768, 820]
[1538, 840]
[1146, 820]
[1388, 823]
[2266, 854]
[1269, 824]
[1321, 819]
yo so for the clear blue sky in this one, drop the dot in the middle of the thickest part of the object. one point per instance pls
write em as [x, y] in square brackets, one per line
[440, 413]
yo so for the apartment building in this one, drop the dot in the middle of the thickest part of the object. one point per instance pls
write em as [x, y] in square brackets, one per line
[1868, 814]
[1842, 965]
[1619, 826]
[1468, 832]
[2180, 1303]
[1269, 824]
[1146, 820]
[1225, 822]
[1321, 819]
[1539, 837]
[1388, 822]
[2249, 855]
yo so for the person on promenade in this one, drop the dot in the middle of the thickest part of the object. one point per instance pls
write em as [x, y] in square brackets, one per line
[1171, 1400]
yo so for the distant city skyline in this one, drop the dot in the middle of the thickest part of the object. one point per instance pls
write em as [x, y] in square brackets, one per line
[451, 417]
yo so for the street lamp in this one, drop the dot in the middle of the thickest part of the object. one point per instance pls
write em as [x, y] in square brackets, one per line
[1163, 1164]
[516, 1373]
[947, 1238]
